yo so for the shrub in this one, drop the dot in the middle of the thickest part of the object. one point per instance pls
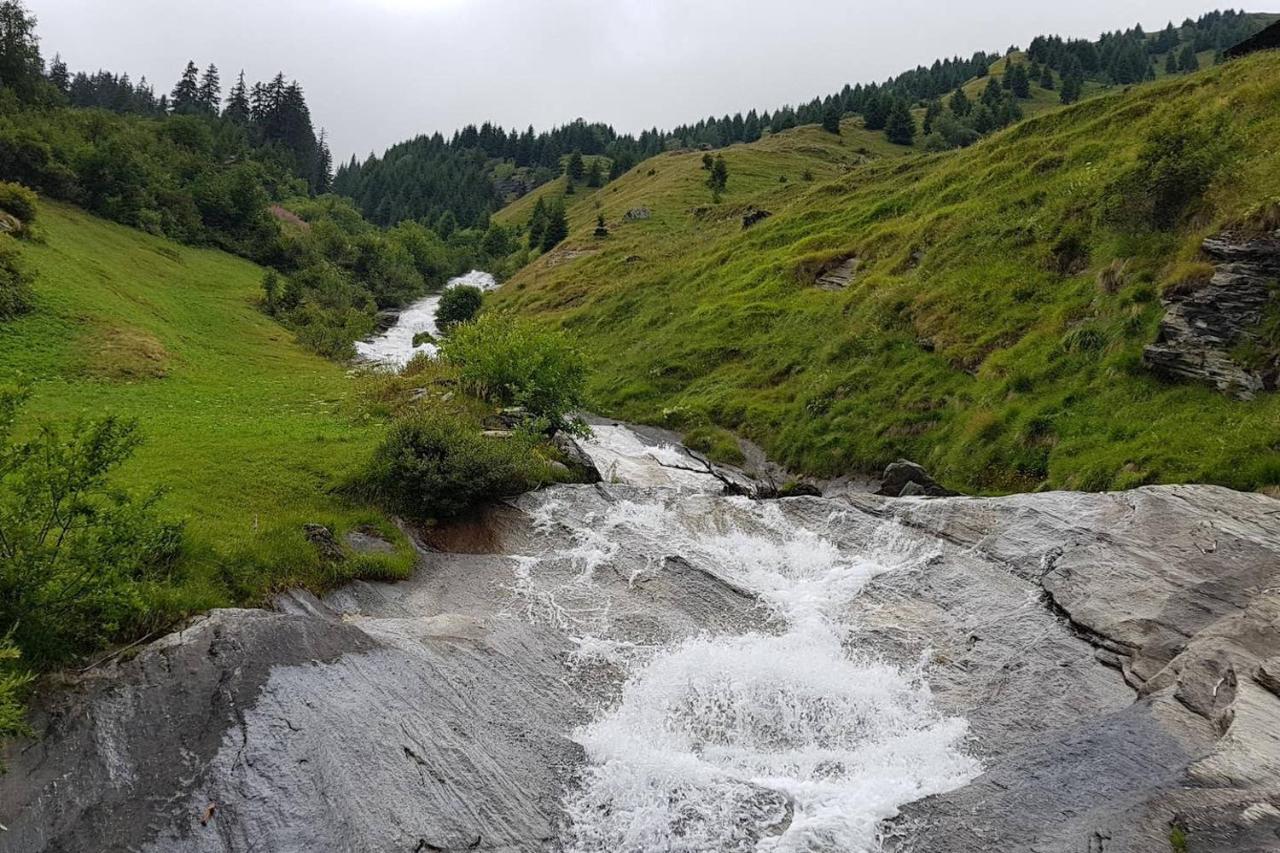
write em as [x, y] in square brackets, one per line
[459, 304]
[511, 362]
[13, 688]
[75, 553]
[436, 464]
[16, 296]
[19, 201]
[1177, 162]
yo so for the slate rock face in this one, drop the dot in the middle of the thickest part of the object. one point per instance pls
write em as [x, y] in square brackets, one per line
[1176, 587]
[1207, 324]
[1116, 656]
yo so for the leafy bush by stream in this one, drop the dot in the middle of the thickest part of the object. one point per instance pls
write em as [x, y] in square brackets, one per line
[510, 361]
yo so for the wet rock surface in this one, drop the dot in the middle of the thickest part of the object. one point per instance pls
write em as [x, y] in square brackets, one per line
[1114, 658]
[1208, 324]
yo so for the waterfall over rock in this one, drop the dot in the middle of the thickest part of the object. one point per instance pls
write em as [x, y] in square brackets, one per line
[649, 664]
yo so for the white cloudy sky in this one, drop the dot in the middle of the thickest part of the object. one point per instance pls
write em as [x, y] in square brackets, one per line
[377, 71]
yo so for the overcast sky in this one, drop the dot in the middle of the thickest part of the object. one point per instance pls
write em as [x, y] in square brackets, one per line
[378, 71]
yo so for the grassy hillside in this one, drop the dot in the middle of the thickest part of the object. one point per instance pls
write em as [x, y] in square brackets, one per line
[975, 338]
[245, 429]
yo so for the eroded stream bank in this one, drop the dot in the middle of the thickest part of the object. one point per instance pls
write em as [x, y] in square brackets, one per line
[648, 664]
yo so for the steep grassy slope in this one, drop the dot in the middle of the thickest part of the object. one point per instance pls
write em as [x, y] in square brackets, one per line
[245, 429]
[975, 337]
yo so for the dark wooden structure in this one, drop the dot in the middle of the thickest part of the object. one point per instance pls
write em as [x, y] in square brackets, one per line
[1268, 39]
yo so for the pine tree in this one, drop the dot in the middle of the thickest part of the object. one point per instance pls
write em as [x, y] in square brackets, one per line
[573, 168]
[601, 229]
[959, 104]
[992, 95]
[932, 111]
[1171, 63]
[185, 99]
[831, 118]
[537, 223]
[594, 178]
[1019, 84]
[1072, 83]
[322, 177]
[237, 110]
[1046, 78]
[211, 90]
[557, 227]
[900, 125]
[1187, 60]
[58, 74]
[875, 113]
[719, 177]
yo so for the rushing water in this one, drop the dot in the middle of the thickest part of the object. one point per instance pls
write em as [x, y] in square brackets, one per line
[394, 347]
[771, 738]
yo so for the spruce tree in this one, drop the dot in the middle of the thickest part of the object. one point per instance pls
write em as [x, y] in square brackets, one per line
[1019, 83]
[1046, 78]
[719, 177]
[211, 90]
[876, 112]
[900, 125]
[185, 99]
[1187, 60]
[573, 168]
[959, 103]
[237, 110]
[601, 229]
[58, 74]
[932, 111]
[322, 176]
[831, 118]
[537, 223]
[1171, 63]
[557, 227]
[594, 178]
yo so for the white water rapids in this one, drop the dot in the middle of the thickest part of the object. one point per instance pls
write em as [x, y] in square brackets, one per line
[770, 737]
[394, 347]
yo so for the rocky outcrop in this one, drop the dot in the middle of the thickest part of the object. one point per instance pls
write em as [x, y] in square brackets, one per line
[637, 213]
[838, 274]
[1116, 656]
[1208, 323]
[904, 479]
[753, 216]
[1178, 590]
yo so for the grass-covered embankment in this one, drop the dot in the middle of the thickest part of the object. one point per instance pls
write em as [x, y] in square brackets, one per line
[977, 337]
[246, 431]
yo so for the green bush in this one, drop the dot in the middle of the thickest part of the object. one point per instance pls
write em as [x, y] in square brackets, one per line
[15, 280]
[1176, 164]
[76, 554]
[437, 464]
[511, 362]
[459, 304]
[19, 201]
[13, 687]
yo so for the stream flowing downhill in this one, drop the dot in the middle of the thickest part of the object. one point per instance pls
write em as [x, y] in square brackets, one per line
[774, 737]
[647, 665]
[394, 347]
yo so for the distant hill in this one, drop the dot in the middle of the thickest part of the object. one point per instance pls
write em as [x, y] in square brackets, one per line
[475, 172]
[1000, 300]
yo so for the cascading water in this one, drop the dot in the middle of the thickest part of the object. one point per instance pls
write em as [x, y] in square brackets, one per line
[768, 736]
[394, 347]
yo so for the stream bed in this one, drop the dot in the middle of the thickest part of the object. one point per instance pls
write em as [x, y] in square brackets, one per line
[649, 664]
[394, 347]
